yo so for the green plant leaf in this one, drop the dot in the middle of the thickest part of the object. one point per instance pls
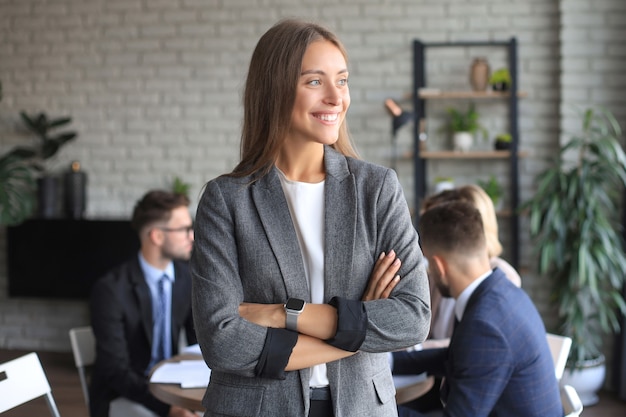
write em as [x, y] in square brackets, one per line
[17, 190]
[574, 224]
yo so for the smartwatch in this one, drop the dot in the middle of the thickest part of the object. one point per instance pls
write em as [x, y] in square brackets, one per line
[293, 308]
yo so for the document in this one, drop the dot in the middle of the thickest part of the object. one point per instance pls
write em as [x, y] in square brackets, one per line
[187, 373]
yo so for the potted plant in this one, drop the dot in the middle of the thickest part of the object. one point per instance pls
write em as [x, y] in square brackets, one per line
[442, 184]
[494, 190]
[181, 187]
[463, 126]
[574, 222]
[503, 142]
[49, 144]
[500, 80]
[17, 193]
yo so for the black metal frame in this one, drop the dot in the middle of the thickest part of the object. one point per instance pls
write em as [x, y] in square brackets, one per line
[419, 164]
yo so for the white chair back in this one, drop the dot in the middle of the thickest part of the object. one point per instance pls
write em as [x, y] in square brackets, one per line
[22, 380]
[559, 347]
[572, 405]
[84, 349]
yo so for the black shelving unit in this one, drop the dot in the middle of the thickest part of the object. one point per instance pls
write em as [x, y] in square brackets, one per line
[419, 106]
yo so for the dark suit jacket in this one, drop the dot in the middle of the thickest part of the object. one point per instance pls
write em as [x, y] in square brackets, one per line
[121, 317]
[498, 362]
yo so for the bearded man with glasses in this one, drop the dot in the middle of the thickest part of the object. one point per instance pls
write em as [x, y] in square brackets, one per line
[139, 308]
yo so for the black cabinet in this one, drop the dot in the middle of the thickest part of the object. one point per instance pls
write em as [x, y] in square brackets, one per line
[60, 258]
[422, 94]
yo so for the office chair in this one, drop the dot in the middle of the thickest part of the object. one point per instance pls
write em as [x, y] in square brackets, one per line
[559, 347]
[84, 350]
[22, 380]
[572, 405]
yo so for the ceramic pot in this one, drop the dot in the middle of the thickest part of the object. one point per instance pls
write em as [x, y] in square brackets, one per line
[587, 380]
[501, 145]
[462, 141]
[443, 185]
[48, 197]
[500, 87]
[75, 191]
[479, 74]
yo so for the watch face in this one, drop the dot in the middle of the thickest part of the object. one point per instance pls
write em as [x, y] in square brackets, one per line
[294, 304]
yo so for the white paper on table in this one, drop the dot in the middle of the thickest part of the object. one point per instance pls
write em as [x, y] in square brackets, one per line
[192, 349]
[401, 381]
[187, 373]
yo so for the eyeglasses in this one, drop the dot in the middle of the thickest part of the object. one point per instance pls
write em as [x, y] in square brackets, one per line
[187, 229]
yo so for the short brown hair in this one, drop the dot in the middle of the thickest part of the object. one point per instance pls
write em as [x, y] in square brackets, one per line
[156, 206]
[453, 228]
[476, 196]
[270, 93]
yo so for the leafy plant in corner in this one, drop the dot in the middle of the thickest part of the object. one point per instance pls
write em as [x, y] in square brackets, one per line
[574, 224]
[17, 186]
[17, 189]
[20, 166]
[49, 142]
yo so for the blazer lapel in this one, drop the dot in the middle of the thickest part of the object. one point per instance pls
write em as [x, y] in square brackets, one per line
[340, 223]
[339, 227]
[142, 292]
[272, 208]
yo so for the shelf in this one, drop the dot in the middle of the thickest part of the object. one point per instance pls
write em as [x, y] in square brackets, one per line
[437, 94]
[467, 155]
[422, 94]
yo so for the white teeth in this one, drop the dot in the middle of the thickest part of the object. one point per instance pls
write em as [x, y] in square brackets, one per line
[327, 117]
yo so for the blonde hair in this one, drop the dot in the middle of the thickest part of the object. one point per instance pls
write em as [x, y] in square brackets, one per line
[478, 198]
[483, 203]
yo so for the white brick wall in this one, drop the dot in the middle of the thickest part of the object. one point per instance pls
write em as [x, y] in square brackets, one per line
[593, 59]
[155, 87]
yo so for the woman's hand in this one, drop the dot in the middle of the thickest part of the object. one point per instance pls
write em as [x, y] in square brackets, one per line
[176, 411]
[384, 277]
[267, 315]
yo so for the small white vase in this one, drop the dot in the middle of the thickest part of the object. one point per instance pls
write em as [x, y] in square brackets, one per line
[443, 186]
[462, 141]
[587, 380]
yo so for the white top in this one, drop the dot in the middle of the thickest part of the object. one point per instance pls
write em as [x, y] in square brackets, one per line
[306, 205]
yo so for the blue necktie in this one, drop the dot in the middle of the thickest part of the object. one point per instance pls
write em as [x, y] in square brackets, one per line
[163, 346]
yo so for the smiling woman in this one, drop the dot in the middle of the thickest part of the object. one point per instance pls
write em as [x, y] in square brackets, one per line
[298, 244]
[322, 100]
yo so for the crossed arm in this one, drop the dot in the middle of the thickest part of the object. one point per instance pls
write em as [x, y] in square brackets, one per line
[318, 322]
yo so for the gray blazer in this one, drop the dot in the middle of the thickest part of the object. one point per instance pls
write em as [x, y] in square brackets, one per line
[246, 249]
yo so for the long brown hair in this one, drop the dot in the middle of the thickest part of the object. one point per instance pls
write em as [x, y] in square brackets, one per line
[270, 94]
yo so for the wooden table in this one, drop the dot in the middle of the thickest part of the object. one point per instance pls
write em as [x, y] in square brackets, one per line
[406, 392]
[173, 394]
[191, 398]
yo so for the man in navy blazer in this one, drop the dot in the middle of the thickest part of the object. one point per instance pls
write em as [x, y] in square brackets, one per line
[124, 304]
[498, 362]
